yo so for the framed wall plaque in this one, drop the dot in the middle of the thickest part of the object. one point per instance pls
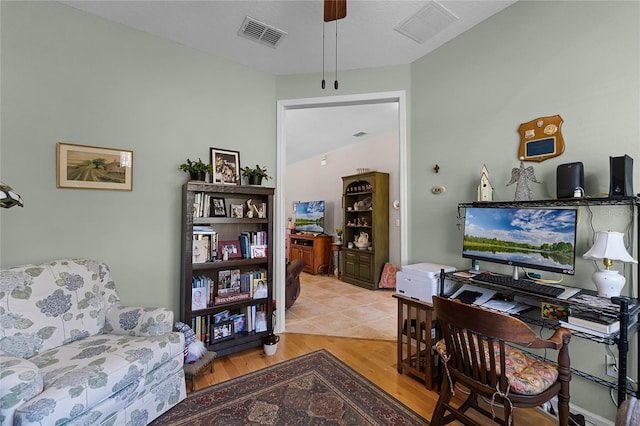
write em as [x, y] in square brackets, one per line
[541, 139]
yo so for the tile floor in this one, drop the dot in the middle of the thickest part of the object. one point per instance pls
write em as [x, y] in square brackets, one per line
[331, 307]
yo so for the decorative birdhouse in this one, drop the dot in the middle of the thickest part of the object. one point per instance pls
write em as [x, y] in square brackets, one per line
[485, 190]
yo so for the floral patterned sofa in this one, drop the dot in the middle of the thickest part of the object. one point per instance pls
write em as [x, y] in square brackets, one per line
[70, 353]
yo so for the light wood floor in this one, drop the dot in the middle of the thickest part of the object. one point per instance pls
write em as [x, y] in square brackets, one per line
[374, 359]
[356, 325]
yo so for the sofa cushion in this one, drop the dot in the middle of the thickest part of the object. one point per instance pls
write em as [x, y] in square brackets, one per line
[81, 374]
[21, 381]
[48, 305]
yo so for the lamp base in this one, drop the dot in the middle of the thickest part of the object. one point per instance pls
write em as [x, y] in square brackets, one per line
[609, 283]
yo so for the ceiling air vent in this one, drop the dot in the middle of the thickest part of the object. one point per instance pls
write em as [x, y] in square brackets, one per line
[427, 22]
[261, 32]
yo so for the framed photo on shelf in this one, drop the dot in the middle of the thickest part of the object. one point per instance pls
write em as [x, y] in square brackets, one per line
[199, 298]
[237, 210]
[226, 166]
[258, 250]
[92, 167]
[218, 207]
[222, 331]
[229, 248]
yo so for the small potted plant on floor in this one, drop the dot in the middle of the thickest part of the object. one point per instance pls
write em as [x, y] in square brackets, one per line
[270, 343]
[255, 174]
[197, 169]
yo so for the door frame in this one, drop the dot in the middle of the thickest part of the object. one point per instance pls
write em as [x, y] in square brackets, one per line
[280, 219]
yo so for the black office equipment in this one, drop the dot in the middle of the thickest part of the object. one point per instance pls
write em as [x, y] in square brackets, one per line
[621, 179]
[520, 284]
[569, 177]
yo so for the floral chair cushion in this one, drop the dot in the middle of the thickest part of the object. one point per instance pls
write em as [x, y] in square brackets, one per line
[526, 375]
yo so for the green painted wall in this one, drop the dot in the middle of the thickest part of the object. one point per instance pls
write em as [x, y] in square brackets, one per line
[72, 77]
[534, 59]
[69, 76]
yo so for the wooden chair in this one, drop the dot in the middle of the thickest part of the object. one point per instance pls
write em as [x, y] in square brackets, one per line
[528, 382]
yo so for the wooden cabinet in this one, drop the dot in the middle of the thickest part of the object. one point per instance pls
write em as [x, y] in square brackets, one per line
[314, 250]
[366, 212]
[210, 276]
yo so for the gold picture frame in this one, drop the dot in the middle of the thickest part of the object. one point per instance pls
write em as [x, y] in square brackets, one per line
[92, 167]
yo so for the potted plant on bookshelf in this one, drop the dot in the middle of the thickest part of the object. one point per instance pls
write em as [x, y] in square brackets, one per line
[197, 169]
[270, 343]
[255, 174]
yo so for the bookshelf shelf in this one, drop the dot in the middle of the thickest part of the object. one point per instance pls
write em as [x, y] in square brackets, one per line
[210, 276]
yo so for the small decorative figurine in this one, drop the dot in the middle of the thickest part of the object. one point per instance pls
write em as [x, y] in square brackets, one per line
[485, 190]
[521, 178]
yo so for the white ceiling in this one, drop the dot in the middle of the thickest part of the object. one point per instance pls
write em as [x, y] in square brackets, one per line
[366, 39]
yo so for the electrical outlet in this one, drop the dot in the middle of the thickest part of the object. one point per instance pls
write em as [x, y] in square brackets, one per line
[611, 366]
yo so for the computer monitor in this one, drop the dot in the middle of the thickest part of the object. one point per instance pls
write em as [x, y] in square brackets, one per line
[541, 239]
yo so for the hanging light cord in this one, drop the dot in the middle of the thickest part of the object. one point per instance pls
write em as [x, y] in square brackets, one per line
[335, 83]
[323, 81]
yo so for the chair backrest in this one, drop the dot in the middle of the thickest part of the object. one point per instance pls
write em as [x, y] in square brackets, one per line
[476, 338]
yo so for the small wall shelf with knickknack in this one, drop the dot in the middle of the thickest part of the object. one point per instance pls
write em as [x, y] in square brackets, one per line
[227, 258]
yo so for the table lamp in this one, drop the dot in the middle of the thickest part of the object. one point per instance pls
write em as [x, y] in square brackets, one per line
[609, 246]
[9, 198]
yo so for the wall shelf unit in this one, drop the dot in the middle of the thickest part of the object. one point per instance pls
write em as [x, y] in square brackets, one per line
[218, 277]
[627, 309]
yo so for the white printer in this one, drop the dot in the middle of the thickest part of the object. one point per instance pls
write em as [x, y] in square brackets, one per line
[422, 280]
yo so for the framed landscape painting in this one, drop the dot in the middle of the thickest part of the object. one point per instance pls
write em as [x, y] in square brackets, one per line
[92, 167]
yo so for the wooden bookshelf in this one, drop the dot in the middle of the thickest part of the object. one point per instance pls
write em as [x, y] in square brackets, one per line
[197, 210]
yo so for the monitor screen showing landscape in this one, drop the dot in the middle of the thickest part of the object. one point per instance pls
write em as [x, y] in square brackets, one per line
[542, 239]
[310, 216]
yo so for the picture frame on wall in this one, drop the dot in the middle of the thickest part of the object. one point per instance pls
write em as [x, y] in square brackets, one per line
[226, 166]
[218, 207]
[93, 167]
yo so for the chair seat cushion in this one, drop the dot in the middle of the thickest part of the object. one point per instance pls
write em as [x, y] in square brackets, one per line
[526, 375]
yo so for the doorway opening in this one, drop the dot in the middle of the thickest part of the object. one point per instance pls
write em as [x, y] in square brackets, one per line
[281, 209]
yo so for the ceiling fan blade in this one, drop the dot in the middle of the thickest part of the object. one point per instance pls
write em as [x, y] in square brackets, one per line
[334, 10]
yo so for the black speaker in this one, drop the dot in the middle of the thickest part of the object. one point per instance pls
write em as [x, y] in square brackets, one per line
[621, 171]
[568, 177]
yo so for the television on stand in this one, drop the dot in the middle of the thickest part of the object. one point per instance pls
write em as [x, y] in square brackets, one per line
[310, 217]
[535, 238]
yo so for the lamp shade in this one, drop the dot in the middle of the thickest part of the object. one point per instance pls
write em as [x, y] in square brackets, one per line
[9, 198]
[609, 245]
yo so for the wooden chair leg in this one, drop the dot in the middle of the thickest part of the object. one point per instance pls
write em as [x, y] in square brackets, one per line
[437, 418]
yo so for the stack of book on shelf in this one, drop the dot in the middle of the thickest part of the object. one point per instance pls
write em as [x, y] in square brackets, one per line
[253, 244]
[592, 322]
[205, 244]
[225, 324]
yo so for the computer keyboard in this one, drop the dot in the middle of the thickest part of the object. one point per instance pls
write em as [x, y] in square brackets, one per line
[521, 284]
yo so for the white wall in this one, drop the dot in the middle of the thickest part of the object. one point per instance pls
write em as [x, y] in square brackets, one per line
[308, 180]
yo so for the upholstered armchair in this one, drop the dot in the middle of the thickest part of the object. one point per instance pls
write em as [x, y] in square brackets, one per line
[292, 285]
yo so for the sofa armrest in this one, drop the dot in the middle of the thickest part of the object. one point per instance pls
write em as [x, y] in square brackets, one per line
[21, 381]
[138, 321]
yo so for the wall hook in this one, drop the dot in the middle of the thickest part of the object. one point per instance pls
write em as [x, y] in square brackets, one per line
[436, 168]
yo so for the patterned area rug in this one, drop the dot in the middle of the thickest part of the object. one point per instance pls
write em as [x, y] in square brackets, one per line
[314, 389]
